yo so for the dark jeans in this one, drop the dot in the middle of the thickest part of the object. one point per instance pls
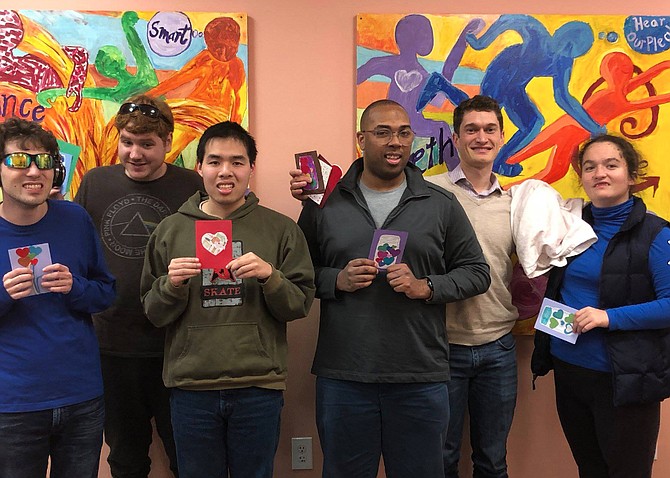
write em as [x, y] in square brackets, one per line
[484, 384]
[134, 394]
[406, 423]
[71, 436]
[226, 431]
[606, 441]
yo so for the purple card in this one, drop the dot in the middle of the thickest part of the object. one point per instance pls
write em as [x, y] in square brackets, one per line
[387, 247]
[308, 162]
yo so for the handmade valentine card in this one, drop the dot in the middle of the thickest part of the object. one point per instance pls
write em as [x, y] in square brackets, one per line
[36, 258]
[213, 243]
[308, 162]
[387, 247]
[332, 174]
[557, 319]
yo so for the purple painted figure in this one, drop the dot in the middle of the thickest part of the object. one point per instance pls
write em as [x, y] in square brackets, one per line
[414, 38]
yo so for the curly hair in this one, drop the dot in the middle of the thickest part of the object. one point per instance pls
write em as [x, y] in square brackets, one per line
[27, 134]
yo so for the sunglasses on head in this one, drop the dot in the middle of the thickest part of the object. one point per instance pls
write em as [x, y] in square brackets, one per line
[146, 110]
[23, 160]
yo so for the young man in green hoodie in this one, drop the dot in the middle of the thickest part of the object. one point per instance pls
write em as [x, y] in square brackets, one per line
[225, 352]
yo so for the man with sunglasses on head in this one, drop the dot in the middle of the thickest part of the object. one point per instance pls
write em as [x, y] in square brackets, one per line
[127, 201]
[53, 278]
[382, 357]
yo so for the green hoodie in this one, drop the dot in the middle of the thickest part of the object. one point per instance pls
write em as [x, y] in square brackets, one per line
[223, 333]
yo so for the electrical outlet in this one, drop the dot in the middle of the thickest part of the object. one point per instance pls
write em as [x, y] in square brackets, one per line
[301, 453]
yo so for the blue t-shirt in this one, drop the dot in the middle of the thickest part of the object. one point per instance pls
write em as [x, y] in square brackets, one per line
[581, 289]
[48, 350]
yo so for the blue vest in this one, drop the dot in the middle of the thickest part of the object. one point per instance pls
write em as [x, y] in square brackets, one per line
[640, 358]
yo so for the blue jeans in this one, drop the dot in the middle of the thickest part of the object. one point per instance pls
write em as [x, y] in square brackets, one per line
[71, 436]
[359, 422]
[226, 431]
[483, 382]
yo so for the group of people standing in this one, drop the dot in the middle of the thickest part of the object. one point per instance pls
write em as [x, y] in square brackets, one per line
[403, 354]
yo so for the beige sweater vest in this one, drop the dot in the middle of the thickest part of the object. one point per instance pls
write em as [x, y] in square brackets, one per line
[488, 316]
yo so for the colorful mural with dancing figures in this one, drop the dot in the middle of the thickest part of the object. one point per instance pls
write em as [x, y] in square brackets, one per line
[560, 79]
[71, 70]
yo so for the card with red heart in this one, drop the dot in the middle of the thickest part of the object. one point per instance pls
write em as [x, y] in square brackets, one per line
[214, 243]
[36, 258]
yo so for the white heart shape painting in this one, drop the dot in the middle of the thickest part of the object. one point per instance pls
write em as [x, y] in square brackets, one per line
[214, 243]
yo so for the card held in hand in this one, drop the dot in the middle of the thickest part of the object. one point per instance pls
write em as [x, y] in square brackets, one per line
[387, 247]
[557, 319]
[35, 258]
[308, 162]
[214, 243]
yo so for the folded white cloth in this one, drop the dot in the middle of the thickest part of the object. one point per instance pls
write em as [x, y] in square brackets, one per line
[547, 229]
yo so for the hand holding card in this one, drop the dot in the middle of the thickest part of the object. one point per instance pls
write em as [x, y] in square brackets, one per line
[387, 247]
[557, 319]
[213, 243]
[36, 258]
[328, 175]
[308, 162]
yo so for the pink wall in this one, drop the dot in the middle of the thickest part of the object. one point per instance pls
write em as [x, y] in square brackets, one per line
[302, 64]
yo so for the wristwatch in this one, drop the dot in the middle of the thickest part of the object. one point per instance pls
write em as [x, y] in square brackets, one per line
[431, 287]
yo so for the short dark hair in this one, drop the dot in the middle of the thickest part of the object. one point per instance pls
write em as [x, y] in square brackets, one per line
[636, 165]
[27, 134]
[137, 123]
[373, 106]
[476, 103]
[224, 130]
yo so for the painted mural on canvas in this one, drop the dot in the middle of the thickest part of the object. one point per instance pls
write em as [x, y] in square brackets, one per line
[71, 70]
[560, 79]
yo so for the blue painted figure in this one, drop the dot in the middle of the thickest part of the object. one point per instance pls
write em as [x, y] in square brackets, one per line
[539, 54]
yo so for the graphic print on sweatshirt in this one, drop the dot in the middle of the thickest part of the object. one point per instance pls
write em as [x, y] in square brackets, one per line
[129, 221]
[219, 289]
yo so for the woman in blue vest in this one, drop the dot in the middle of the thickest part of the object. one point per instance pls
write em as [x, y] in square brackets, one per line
[609, 384]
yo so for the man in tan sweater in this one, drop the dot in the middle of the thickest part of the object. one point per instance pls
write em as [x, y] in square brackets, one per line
[482, 350]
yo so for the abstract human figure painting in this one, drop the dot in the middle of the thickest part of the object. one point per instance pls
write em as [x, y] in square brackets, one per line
[196, 61]
[414, 39]
[29, 70]
[560, 79]
[621, 79]
[111, 63]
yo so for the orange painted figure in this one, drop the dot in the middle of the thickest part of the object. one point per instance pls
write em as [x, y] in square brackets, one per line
[565, 135]
[210, 88]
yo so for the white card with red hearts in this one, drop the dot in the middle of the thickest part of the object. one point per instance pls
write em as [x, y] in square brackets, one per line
[214, 243]
[36, 258]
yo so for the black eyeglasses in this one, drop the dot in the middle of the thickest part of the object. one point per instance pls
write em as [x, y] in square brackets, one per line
[384, 135]
[146, 110]
[23, 160]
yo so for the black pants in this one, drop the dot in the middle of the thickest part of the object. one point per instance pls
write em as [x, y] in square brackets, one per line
[134, 394]
[606, 441]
